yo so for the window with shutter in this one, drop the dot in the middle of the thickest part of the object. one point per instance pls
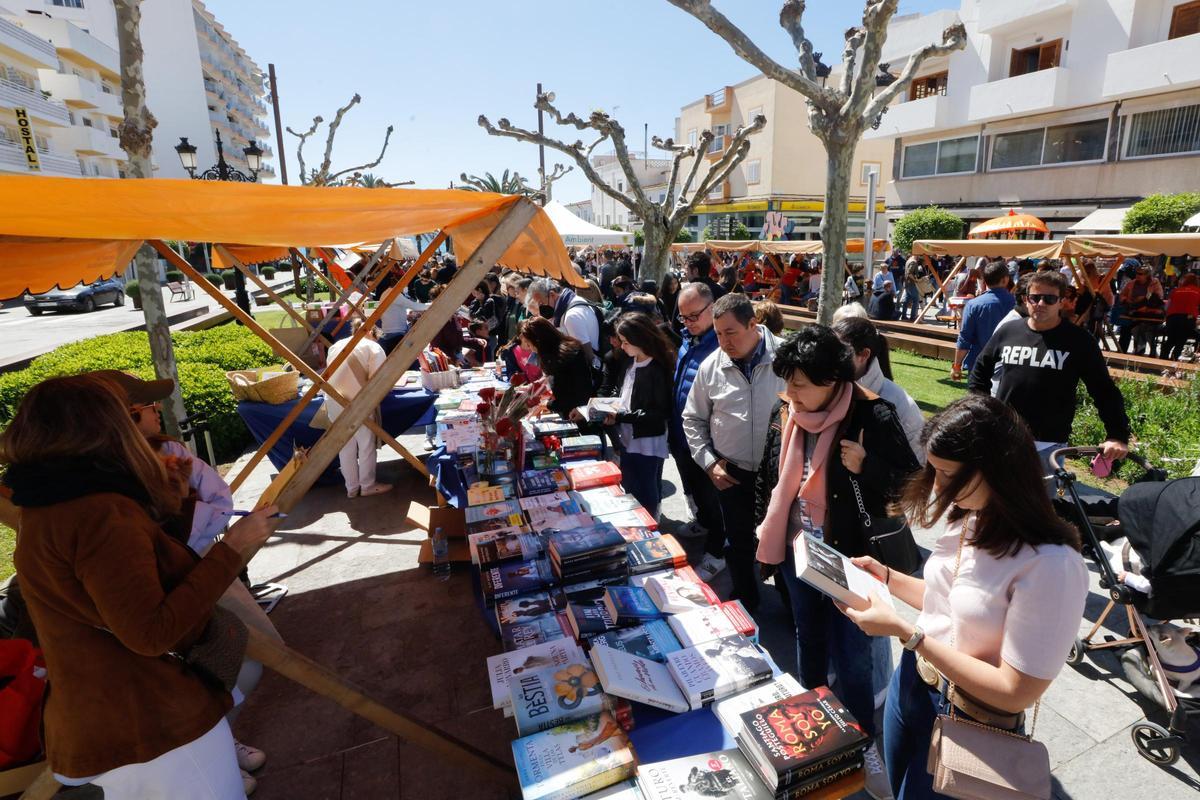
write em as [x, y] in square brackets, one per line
[1035, 59]
[1185, 20]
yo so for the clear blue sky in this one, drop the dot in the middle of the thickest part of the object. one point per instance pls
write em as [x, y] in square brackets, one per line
[431, 68]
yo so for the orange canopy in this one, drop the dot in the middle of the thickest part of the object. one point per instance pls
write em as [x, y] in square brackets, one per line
[1012, 222]
[989, 248]
[60, 231]
[807, 246]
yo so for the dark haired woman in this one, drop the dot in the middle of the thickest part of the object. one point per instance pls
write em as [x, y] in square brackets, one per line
[646, 393]
[562, 359]
[826, 433]
[668, 301]
[873, 372]
[1002, 592]
[112, 595]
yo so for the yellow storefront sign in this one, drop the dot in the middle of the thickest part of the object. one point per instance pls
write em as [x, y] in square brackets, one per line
[28, 143]
[729, 208]
[819, 205]
[786, 205]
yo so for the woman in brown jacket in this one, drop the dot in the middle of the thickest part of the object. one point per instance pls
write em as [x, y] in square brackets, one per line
[113, 597]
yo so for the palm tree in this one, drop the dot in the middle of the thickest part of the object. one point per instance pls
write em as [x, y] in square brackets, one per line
[505, 184]
[369, 180]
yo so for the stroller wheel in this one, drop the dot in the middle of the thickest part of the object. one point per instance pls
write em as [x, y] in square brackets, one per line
[1075, 656]
[1154, 743]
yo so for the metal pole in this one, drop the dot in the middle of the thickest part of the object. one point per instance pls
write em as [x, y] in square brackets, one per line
[278, 127]
[542, 152]
[869, 226]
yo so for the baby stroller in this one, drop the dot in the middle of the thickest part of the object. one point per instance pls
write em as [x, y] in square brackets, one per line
[1160, 521]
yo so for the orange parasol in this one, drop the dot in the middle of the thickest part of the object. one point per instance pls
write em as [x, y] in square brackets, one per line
[1008, 226]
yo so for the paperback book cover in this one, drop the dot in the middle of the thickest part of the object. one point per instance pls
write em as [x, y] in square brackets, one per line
[507, 524]
[625, 790]
[800, 735]
[507, 508]
[539, 630]
[650, 555]
[828, 571]
[481, 494]
[577, 448]
[528, 606]
[474, 540]
[588, 620]
[637, 534]
[607, 499]
[652, 640]
[610, 568]
[559, 428]
[503, 666]
[542, 481]
[646, 577]
[557, 518]
[562, 500]
[642, 680]
[506, 548]
[722, 774]
[702, 625]
[595, 541]
[546, 698]
[674, 595]
[589, 476]
[718, 669]
[512, 578]
[573, 759]
[729, 711]
[636, 518]
[630, 605]
[816, 782]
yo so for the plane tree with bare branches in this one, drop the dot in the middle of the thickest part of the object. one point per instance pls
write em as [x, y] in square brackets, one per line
[324, 175]
[838, 115]
[661, 220]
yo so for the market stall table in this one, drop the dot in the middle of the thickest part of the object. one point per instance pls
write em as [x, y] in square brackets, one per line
[400, 410]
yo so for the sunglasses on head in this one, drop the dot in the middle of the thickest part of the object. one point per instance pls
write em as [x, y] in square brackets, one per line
[1048, 299]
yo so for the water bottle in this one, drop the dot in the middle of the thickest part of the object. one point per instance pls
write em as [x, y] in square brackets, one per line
[441, 554]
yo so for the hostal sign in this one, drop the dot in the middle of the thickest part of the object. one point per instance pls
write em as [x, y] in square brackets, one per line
[28, 143]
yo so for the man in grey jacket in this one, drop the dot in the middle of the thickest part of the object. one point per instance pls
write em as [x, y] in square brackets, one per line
[725, 420]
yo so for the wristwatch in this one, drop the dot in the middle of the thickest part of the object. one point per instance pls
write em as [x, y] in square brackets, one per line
[914, 640]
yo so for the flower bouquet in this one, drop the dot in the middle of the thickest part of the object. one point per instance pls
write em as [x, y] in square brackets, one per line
[500, 429]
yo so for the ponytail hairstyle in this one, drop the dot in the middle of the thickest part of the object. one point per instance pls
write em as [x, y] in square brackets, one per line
[861, 334]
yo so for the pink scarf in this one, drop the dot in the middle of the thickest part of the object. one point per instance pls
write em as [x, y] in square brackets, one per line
[773, 533]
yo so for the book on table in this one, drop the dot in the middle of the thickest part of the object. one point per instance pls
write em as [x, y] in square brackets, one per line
[528, 606]
[523, 546]
[528, 632]
[593, 475]
[564, 500]
[482, 494]
[796, 740]
[630, 605]
[650, 555]
[729, 710]
[583, 447]
[634, 518]
[636, 533]
[503, 666]
[512, 578]
[652, 640]
[502, 510]
[828, 571]
[642, 680]
[589, 619]
[554, 427]
[533, 482]
[705, 624]
[724, 774]
[604, 499]
[546, 698]
[719, 668]
[580, 544]
[573, 759]
[675, 595]
[474, 540]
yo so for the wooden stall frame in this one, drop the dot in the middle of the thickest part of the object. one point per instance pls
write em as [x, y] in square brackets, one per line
[941, 284]
[261, 284]
[344, 296]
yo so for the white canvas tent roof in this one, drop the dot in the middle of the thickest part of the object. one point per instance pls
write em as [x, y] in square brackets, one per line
[1193, 222]
[1102, 220]
[577, 232]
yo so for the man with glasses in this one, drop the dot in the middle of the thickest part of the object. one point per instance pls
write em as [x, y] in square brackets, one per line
[694, 306]
[1044, 357]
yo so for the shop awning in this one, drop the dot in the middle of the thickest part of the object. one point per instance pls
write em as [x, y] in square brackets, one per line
[1135, 244]
[1102, 220]
[61, 231]
[988, 248]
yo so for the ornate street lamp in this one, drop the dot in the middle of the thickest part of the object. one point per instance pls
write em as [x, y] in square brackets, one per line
[221, 171]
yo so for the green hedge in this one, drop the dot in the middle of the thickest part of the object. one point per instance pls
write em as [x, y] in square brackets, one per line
[203, 358]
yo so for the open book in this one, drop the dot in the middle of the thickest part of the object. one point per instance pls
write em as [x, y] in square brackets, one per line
[828, 571]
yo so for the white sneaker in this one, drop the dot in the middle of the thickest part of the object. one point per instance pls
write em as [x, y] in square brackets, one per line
[375, 488]
[877, 783]
[709, 567]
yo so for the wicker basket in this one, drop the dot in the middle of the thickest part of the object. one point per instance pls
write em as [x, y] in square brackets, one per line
[249, 384]
[436, 381]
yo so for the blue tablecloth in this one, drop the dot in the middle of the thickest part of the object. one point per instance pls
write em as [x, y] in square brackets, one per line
[400, 410]
[447, 477]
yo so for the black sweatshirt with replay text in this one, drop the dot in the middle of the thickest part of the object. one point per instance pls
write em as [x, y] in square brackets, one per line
[1040, 372]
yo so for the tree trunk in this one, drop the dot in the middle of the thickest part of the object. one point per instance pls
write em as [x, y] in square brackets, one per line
[656, 253]
[136, 136]
[840, 161]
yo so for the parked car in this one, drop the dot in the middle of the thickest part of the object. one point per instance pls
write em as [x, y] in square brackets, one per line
[83, 297]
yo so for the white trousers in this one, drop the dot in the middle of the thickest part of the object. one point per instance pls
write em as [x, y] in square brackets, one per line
[203, 769]
[357, 459]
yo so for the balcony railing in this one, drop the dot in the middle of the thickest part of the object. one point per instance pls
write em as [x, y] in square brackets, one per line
[12, 159]
[27, 43]
[15, 94]
[718, 100]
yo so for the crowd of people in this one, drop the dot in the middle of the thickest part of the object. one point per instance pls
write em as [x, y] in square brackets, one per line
[771, 433]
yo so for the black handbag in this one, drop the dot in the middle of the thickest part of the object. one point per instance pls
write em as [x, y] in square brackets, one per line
[889, 539]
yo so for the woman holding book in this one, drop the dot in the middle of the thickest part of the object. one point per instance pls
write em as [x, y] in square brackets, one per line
[829, 442]
[1001, 595]
[645, 396]
[562, 359]
[114, 597]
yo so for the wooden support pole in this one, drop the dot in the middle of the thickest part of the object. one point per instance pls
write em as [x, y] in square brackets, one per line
[354, 285]
[295, 413]
[304, 369]
[354, 414]
[257, 281]
[941, 286]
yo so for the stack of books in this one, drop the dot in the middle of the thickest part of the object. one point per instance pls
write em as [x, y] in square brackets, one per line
[580, 448]
[659, 553]
[581, 554]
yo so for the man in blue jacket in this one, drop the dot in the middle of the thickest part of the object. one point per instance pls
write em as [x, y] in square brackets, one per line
[695, 312]
[981, 315]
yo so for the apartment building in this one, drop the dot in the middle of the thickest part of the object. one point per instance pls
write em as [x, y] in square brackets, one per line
[651, 174]
[784, 172]
[198, 81]
[1055, 107]
[581, 209]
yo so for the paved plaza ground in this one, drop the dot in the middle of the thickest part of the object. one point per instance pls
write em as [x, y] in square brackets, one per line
[360, 604]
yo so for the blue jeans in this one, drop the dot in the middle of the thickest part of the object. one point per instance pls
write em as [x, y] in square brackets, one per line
[642, 477]
[911, 299]
[827, 639]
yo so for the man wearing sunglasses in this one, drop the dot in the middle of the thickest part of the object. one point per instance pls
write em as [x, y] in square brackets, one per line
[1044, 357]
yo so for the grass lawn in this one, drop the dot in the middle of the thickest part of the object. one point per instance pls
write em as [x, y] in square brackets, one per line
[273, 316]
[8, 541]
[927, 380]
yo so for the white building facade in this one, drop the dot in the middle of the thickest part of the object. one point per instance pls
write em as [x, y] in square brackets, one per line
[652, 175]
[59, 60]
[1055, 108]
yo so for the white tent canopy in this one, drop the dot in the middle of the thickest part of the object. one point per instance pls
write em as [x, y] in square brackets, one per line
[577, 232]
[1102, 220]
[1193, 222]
